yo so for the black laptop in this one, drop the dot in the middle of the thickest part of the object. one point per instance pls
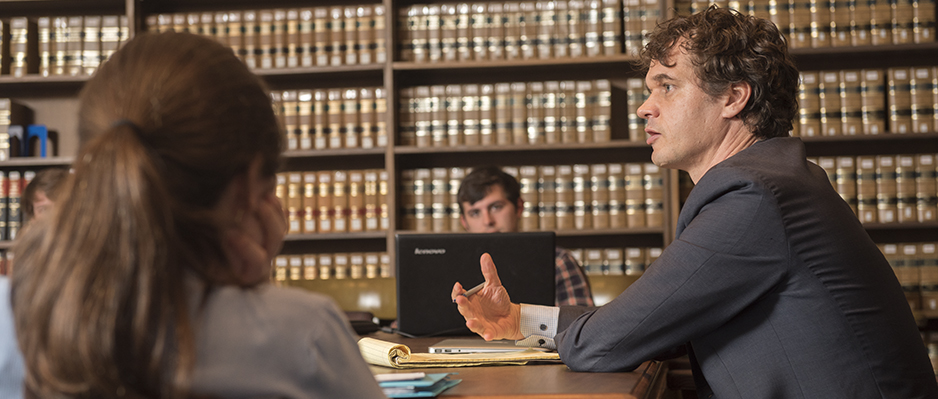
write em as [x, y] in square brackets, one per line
[429, 264]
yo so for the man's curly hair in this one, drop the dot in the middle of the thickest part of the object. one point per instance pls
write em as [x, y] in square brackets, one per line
[727, 47]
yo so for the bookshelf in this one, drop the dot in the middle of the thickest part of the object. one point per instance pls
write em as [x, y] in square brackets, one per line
[54, 101]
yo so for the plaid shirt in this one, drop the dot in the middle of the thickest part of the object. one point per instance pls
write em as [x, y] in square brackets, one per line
[572, 286]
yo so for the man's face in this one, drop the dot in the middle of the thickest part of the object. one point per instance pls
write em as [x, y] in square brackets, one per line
[42, 205]
[685, 125]
[494, 213]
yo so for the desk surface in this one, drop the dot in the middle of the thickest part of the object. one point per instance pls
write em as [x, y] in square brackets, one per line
[538, 381]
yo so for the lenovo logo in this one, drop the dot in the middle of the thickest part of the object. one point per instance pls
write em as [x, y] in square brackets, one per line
[429, 251]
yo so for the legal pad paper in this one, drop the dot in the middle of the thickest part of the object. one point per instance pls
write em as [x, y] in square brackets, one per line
[399, 356]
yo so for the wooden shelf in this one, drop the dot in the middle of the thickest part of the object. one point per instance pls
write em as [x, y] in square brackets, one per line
[61, 7]
[866, 57]
[523, 154]
[32, 162]
[910, 143]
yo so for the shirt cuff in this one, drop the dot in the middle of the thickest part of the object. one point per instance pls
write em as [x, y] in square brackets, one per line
[539, 326]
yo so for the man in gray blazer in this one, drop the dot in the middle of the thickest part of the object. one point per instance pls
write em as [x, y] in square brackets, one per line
[772, 285]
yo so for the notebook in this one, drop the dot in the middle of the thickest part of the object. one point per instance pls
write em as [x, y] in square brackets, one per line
[475, 345]
[429, 264]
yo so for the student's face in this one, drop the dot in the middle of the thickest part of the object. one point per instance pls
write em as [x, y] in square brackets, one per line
[41, 206]
[685, 125]
[492, 214]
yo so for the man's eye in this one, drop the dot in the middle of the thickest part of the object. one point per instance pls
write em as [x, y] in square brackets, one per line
[668, 88]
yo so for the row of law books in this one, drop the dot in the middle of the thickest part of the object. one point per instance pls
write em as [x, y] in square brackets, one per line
[505, 113]
[326, 266]
[886, 188]
[290, 38]
[334, 201]
[65, 45]
[916, 267]
[556, 197]
[513, 30]
[333, 118]
[629, 261]
[838, 23]
[12, 184]
[869, 101]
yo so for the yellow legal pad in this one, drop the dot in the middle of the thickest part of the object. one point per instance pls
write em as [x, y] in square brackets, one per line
[390, 354]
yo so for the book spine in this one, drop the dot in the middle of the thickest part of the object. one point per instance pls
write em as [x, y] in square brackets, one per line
[320, 119]
[336, 44]
[886, 195]
[534, 104]
[547, 198]
[634, 195]
[479, 25]
[417, 24]
[334, 118]
[583, 116]
[928, 268]
[908, 274]
[582, 197]
[14, 215]
[304, 130]
[563, 184]
[470, 114]
[110, 36]
[356, 201]
[829, 164]
[593, 28]
[568, 110]
[800, 24]
[519, 111]
[73, 61]
[820, 22]
[407, 114]
[423, 200]
[219, 26]
[873, 97]
[615, 182]
[599, 196]
[456, 175]
[880, 22]
[926, 187]
[266, 31]
[923, 21]
[310, 209]
[861, 15]
[350, 39]
[448, 44]
[60, 30]
[635, 97]
[529, 214]
[384, 217]
[408, 206]
[434, 34]
[593, 264]
[305, 41]
[900, 100]
[809, 119]
[371, 200]
[614, 262]
[46, 45]
[325, 266]
[512, 17]
[251, 36]
[321, 36]
[780, 14]
[324, 201]
[527, 29]
[551, 112]
[23, 46]
[290, 114]
[281, 263]
[905, 189]
[653, 182]
[866, 189]
[380, 35]
[365, 32]
[851, 103]
[901, 12]
[840, 22]
[310, 267]
[236, 32]
[545, 28]
[650, 15]
[350, 125]
[561, 34]
[294, 202]
[576, 37]
[366, 100]
[632, 28]
[284, 32]
[829, 94]
[921, 100]
[486, 114]
[846, 181]
[601, 111]
[380, 130]
[4, 205]
[437, 110]
[612, 27]
[439, 195]
[502, 114]
[340, 201]
[634, 261]
[356, 263]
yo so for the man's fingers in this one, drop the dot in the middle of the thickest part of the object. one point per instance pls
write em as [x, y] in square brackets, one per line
[488, 271]
[457, 291]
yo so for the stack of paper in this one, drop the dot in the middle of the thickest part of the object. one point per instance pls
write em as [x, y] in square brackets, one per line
[390, 354]
[427, 386]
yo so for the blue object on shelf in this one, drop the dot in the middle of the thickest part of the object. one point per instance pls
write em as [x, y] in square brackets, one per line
[42, 139]
[17, 141]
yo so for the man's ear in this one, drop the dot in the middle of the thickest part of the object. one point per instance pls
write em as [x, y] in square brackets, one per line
[736, 100]
[462, 221]
[519, 206]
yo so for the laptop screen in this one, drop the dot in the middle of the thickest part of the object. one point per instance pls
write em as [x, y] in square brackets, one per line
[429, 264]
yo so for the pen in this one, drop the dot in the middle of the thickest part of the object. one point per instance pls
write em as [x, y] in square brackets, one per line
[473, 290]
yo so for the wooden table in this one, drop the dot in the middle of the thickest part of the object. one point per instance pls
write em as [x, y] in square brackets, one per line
[543, 381]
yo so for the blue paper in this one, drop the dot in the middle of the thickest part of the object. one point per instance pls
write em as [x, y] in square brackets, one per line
[426, 387]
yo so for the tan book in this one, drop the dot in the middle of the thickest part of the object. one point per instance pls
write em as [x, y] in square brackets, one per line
[534, 104]
[351, 128]
[907, 272]
[449, 50]
[365, 32]
[840, 23]
[563, 186]
[407, 116]
[634, 261]
[923, 21]
[46, 45]
[617, 198]
[310, 266]
[265, 50]
[829, 100]
[456, 175]
[321, 36]
[899, 99]
[4, 205]
[334, 118]
[380, 34]
[320, 119]
[583, 111]
[281, 263]
[780, 14]
[632, 27]
[922, 104]
[60, 29]
[601, 111]
[926, 187]
[851, 102]
[612, 27]
[417, 27]
[306, 49]
[613, 261]
[582, 197]
[280, 32]
[220, 20]
[422, 200]
[305, 132]
[545, 28]
[576, 37]
[15, 198]
[567, 105]
[124, 29]
[928, 272]
[845, 181]
[351, 43]
[829, 164]
[439, 200]
[592, 28]
[496, 21]
[23, 46]
[356, 201]
[366, 116]
[206, 25]
[276, 103]
[356, 265]
[809, 107]
[470, 114]
[290, 109]
[408, 204]
[905, 189]
[324, 201]
[561, 31]
[437, 110]
[527, 30]
[547, 197]
[593, 261]
[463, 32]
[634, 189]
[407, 19]
[502, 107]
[294, 203]
[110, 36]
[512, 17]
[551, 112]
[422, 116]
[291, 47]
[340, 201]
[336, 44]
[73, 54]
[371, 200]
[902, 21]
[519, 113]
[310, 208]
[478, 24]
[486, 114]
[651, 15]
[599, 196]
[820, 23]
[861, 15]
[934, 85]
[251, 36]
[873, 92]
[384, 266]
[434, 35]
[180, 23]
[381, 110]
[325, 266]
[800, 24]
[384, 217]
[653, 182]
[880, 22]
[236, 33]
[528, 182]
[886, 195]
[866, 189]
[635, 97]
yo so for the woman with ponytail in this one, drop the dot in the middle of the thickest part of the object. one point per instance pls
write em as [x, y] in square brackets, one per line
[148, 279]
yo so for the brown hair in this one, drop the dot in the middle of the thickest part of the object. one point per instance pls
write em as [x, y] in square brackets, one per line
[727, 47]
[100, 302]
[46, 181]
[476, 185]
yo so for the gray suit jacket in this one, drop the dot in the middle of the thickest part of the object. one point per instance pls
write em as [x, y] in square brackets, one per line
[774, 285]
